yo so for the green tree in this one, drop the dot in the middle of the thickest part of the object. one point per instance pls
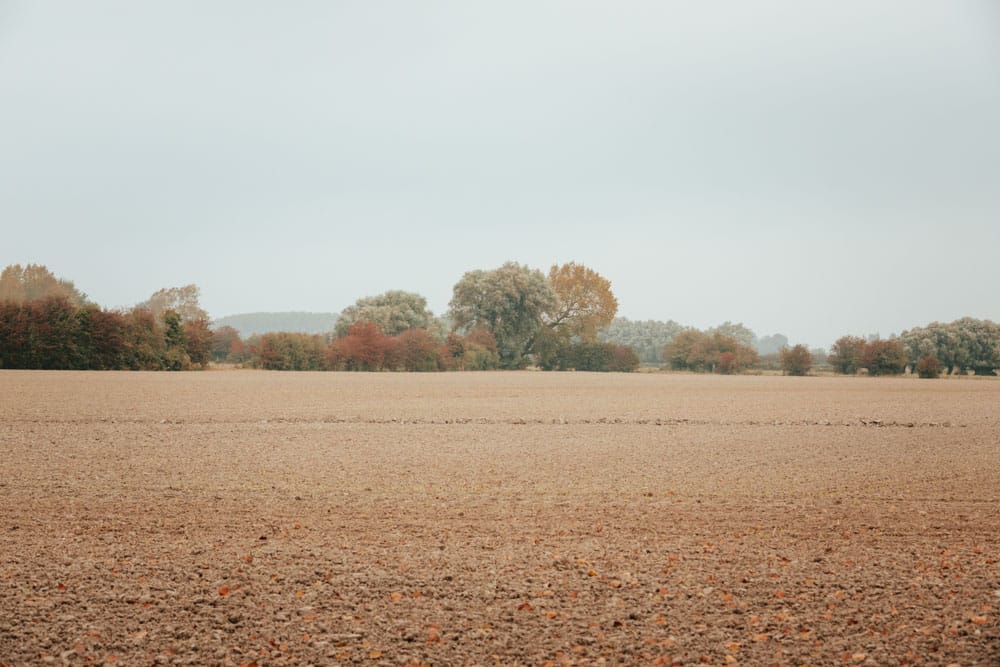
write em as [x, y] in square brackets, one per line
[960, 346]
[175, 357]
[394, 312]
[646, 338]
[510, 302]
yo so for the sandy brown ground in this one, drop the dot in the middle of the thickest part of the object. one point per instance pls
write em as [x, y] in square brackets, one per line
[497, 518]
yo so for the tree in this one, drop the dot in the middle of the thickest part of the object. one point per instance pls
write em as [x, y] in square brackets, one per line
[176, 357]
[224, 340]
[510, 302]
[198, 342]
[646, 338]
[960, 346]
[846, 354]
[181, 300]
[394, 312]
[284, 351]
[772, 344]
[796, 360]
[736, 330]
[678, 352]
[364, 348]
[584, 303]
[145, 345]
[709, 352]
[884, 357]
[20, 284]
[100, 339]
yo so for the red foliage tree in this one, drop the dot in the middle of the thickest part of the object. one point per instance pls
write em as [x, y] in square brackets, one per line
[364, 348]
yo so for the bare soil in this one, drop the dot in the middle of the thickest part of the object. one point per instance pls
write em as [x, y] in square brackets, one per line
[248, 517]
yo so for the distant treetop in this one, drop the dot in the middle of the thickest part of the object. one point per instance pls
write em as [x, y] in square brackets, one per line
[20, 284]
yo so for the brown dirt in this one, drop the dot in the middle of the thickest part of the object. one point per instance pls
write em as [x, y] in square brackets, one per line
[498, 518]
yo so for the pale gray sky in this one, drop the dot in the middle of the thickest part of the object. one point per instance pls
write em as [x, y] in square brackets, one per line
[813, 168]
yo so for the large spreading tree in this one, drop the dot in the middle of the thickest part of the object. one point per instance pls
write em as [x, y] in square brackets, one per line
[510, 302]
[529, 312]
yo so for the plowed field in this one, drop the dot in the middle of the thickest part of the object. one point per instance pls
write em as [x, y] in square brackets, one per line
[497, 518]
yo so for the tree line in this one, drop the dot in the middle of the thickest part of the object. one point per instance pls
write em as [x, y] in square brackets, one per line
[967, 345]
[55, 333]
[508, 318]
[503, 318]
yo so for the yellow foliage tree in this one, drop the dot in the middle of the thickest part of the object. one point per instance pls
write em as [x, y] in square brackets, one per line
[585, 303]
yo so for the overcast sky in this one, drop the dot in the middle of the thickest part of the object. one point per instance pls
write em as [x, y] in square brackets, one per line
[810, 168]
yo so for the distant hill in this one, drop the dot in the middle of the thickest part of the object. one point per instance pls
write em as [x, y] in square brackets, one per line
[250, 324]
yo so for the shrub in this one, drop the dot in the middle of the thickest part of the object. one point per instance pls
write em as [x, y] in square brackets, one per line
[846, 354]
[796, 360]
[288, 352]
[709, 352]
[418, 351]
[364, 348]
[928, 367]
[623, 359]
[476, 351]
[884, 357]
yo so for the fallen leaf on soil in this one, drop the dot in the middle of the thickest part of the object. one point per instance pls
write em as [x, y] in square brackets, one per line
[224, 590]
